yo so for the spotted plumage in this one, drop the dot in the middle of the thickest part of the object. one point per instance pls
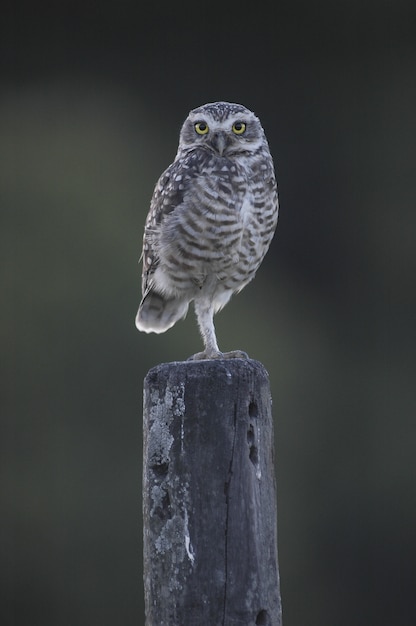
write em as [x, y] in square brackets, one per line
[212, 217]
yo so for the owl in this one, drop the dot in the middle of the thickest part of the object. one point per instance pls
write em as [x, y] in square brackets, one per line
[212, 217]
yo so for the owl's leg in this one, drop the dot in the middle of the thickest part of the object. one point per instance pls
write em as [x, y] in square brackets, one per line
[204, 311]
[205, 315]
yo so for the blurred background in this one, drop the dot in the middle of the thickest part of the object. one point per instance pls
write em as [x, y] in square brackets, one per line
[93, 95]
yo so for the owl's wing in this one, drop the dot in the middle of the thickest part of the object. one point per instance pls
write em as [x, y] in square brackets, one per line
[168, 195]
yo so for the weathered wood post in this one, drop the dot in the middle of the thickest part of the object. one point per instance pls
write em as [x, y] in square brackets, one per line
[209, 497]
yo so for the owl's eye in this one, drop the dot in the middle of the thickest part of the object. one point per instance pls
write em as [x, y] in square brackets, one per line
[239, 128]
[201, 128]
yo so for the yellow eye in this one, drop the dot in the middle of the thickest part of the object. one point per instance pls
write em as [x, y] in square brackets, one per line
[201, 128]
[239, 128]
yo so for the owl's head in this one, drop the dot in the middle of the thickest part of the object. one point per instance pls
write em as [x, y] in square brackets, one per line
[224, 128]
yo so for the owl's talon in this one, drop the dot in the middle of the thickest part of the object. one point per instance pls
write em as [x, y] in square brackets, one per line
[235, 354]
[204, 356]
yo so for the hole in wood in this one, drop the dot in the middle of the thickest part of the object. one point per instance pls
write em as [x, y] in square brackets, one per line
[253, 452]
[253, 409]
[166, 505]
[254, 455]
[160, 469]
[263, 619]
[250, 435]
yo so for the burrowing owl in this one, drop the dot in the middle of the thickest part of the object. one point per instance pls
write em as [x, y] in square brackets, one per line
[212, 217]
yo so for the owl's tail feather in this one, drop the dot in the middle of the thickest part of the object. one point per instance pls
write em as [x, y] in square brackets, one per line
[158, 313]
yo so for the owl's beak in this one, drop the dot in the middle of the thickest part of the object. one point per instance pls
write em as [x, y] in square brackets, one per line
[219, 142]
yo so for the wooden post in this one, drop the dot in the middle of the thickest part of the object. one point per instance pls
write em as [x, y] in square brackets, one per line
[209, 497]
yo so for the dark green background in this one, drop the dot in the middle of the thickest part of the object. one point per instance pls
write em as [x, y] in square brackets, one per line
[92, 98]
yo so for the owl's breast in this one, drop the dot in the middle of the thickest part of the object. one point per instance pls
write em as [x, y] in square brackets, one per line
[217, 230]
[205, 228]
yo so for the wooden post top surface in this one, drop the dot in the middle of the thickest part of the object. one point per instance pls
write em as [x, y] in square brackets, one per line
[209, 367]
